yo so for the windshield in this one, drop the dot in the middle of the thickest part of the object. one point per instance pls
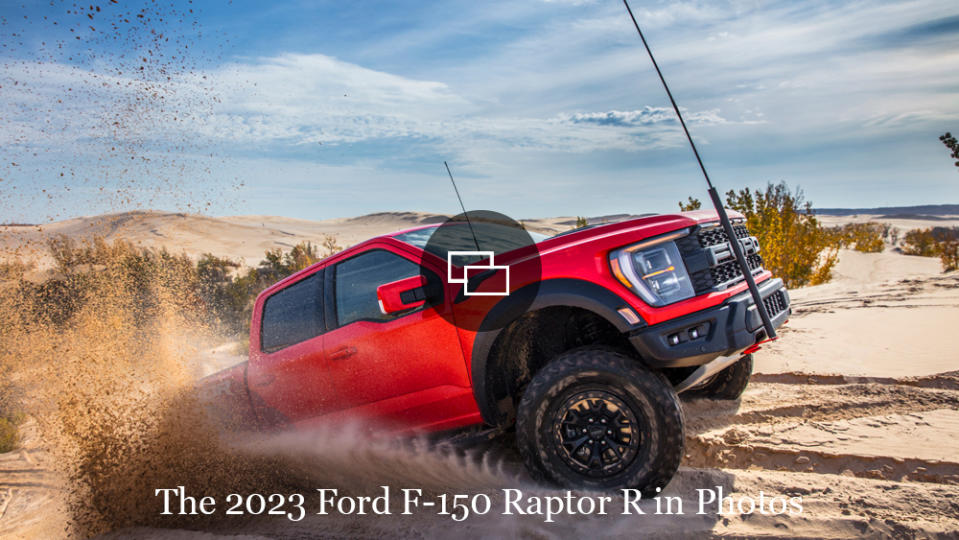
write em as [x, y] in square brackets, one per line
[492, 237]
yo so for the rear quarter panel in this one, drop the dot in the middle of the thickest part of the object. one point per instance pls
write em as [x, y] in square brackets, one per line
[225, 400]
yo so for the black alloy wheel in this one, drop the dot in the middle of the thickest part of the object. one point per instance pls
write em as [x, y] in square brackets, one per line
[598, 432]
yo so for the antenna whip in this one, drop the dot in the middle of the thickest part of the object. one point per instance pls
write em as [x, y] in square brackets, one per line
[713, 194]
[465, 213]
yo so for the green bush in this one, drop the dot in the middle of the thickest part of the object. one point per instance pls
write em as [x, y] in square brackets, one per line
[8, 435]
[942, 242]
[949, 255]
[10, 415]
[213, 289]
[10, 399]
[863, 237]
[229, 294]
[691, 204]
[146, 279]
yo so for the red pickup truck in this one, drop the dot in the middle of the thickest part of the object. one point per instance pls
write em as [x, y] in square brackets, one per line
[601, 329]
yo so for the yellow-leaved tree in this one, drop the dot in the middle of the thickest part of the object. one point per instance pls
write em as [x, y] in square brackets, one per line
[794, 245]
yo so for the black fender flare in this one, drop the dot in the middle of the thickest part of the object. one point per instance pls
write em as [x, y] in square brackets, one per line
[565, 292]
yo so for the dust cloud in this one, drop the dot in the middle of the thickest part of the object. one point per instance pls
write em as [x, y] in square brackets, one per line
[107, 360]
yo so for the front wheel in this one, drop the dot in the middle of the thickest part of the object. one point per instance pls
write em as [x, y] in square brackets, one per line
[596, 418]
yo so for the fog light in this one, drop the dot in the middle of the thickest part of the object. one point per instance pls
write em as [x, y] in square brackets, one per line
[694, 333]
[674, 339]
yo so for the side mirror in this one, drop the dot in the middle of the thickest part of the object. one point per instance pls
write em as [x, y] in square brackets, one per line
[402, 295]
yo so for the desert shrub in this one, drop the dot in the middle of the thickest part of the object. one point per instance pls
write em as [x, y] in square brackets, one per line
[14, 270]
[229, 294]
[942, 242]
[11, 312]
[919, 242]
[8, 435]
[11, 405]
[795, 246]
[691, 204]
[144, 277]
[125, 285]
[280, 264]
[10, 409]
[213, 288]
[330, 245]
[864, 237]
[949, 255]
[222, 295]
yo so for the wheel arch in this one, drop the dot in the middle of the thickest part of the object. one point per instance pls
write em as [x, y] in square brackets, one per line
[557, 301]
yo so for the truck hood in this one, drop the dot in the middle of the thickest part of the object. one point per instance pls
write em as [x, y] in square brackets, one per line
[653, 224]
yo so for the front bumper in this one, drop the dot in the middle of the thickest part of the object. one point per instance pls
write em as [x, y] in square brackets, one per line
[722, 330]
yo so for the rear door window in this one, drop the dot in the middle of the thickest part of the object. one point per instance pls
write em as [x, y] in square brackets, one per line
[293, 315]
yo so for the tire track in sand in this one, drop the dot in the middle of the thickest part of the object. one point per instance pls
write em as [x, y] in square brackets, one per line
[821, 424]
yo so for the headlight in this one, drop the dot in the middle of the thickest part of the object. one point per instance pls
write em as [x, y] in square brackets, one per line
[654, 269]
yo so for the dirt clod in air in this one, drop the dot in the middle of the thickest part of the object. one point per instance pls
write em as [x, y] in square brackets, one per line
[104, 105]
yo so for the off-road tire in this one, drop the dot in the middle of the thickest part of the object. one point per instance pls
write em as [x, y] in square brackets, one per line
[729, 383]
[648, 397]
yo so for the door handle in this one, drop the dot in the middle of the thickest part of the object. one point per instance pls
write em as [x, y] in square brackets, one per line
[342, 352]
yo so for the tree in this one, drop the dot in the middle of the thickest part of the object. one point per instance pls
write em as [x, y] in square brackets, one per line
[795, 246]
[951, 144]
[693, 204]
[330, 247]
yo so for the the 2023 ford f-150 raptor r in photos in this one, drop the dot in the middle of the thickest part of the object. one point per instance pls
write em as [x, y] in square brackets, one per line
[601, 328]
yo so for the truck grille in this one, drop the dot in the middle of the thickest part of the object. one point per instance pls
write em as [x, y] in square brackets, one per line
[775, 303]
[730, 270]
[703, 247]
[716, 235]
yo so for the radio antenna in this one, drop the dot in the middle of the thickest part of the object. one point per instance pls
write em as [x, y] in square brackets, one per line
[465, 213]
[714, 195]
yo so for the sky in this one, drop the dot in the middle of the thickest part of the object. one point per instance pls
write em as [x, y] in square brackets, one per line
[317, 109]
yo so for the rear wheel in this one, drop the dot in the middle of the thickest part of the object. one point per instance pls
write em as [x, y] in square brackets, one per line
[728, 383]
[596, 418]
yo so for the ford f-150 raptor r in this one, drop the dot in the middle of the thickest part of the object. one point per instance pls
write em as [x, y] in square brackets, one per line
[621, 318]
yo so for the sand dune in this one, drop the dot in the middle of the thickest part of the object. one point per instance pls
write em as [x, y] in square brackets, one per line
[854, 409]
[883, 314]
[242, 238]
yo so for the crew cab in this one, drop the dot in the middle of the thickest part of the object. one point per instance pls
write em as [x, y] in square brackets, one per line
[584, 357]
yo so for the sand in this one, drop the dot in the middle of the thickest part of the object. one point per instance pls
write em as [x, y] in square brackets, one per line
[883, 314]
[241, 238]
[855, 410]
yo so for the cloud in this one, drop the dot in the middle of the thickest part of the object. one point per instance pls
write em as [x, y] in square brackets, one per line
[646, 116]
[297, 100]
[904, 119]
[767, 64]
[501, 91]
[315, 98]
